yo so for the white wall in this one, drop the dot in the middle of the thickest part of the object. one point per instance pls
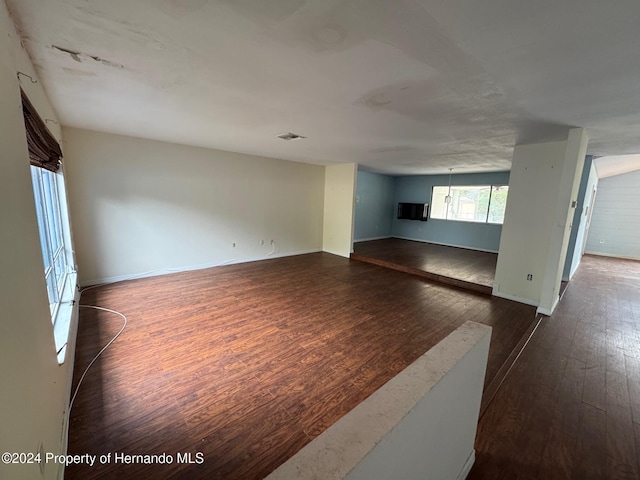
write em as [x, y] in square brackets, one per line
[34, 389]
[146, 207]
[615, 223]
[419, 425]
[566, 200]
[544, 180]
[339, 198]
[527, 222]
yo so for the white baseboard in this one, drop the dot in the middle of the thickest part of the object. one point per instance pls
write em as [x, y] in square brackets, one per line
[526, 301]
[612, 255]
[339, 254]
[546, 311]
[466, 468]
[371, 239]
[188, 268]
[445, 244]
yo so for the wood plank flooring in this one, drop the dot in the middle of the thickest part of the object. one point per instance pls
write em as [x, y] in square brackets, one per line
[570, 408]
[247, 363]
[464, 268]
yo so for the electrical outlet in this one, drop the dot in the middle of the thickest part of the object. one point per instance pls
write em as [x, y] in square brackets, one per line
[261, 242]
[529, 276]
[233, 244]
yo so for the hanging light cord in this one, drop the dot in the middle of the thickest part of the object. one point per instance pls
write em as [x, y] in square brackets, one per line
[447, 199]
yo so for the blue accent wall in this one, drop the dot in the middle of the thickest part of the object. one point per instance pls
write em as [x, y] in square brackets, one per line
[375, 207]
[417, 189]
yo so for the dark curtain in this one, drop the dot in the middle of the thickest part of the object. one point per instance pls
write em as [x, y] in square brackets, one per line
[44, 149]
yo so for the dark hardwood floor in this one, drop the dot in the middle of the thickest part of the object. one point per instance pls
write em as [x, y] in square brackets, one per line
[461, 267]
[247, 363]
[570, 408]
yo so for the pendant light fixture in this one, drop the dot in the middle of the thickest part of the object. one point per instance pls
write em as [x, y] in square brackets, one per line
[447, 199]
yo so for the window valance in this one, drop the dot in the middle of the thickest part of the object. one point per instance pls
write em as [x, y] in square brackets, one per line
[44, 149]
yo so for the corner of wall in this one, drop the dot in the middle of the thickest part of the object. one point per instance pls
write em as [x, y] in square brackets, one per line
[35, 389]
[339, 206]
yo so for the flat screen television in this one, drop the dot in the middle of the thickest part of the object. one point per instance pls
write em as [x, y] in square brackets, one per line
[413, 211]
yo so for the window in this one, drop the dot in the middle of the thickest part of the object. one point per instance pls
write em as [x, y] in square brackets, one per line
[470, 203]
[53, 223]
[52, 243]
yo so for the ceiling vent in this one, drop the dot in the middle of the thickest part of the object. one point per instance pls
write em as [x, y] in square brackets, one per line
[290, 136]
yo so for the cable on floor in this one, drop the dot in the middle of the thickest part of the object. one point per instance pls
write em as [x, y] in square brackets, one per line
[124, 324]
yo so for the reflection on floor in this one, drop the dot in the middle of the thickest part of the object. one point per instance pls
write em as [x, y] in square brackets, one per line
[570, 407]
[461, 267]
[247, 363]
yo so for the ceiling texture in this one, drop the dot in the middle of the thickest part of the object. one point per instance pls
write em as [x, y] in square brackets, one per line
[398, 86]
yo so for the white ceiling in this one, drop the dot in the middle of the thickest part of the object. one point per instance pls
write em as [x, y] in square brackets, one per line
[399, 86]
[616, 165]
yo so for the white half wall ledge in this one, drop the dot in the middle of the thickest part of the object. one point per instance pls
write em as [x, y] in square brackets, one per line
[419, 425]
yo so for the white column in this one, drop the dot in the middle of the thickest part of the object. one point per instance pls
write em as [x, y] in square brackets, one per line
[559, 236]
[339, 196]
[543, 182]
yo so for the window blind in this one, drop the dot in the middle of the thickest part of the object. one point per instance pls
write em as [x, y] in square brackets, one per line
[44, 149]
